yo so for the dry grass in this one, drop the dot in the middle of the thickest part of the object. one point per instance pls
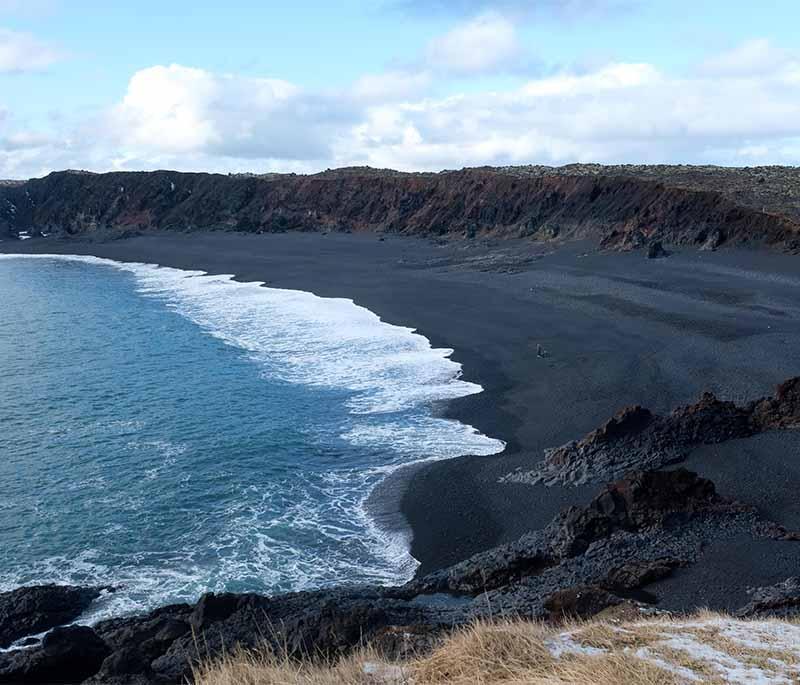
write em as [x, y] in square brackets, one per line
[264, 668]
[706, 648]
[513, 653]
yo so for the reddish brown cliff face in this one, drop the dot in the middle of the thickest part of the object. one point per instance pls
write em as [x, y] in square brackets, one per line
[622, 212]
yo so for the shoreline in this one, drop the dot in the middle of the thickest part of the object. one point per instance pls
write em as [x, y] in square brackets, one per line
[381, 506]
[618, 330]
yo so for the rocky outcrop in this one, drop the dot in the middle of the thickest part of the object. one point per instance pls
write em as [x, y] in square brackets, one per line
[641, 501]
[162, 646]
[639, 505]
[656, 250]
[635, 439]
[67, 655]
[634, 532]
[781, 600]
[621, 586]
[582, 601]
[621, 210]
[31, 610]
[603, 556]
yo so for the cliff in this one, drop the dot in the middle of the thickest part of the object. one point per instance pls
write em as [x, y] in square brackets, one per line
[621, 207]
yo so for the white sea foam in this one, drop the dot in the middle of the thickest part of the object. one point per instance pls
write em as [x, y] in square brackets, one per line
[329, 342]
[300, 338]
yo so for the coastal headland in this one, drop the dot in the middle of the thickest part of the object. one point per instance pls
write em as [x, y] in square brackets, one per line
[693, 506]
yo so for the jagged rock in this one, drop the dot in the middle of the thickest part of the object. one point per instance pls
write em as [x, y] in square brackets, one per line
[638, 502]
[586, 560]
[628, 422]
[779, 601]
[67, 655]
[775, 531]
[163, 646]
[637, 574]
[712, 240]
[631, 239]
[780, 411]
[579, 602]
[136, 642]
[634, 439]
[495, 568]
[656, 250]
[31, 610]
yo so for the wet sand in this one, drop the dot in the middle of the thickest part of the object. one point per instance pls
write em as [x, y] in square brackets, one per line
[616, 330]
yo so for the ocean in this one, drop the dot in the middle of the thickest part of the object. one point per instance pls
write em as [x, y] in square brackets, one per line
[169, 432]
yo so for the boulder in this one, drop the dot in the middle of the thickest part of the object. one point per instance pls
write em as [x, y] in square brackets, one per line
[780, 411]
[626, 423]
[635, 575]
[579, 602]
[712, 240]
[638, 502]
[656, 250]
[31, 610]
[66, 655]
[774, 601]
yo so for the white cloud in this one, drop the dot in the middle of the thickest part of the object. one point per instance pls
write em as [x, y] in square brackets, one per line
[25, 140]
[391, 85]
[609, 77]
[175, 116]
[617, 113]
[487, 42]
[176, 109]
[20, 52]
[751, 58]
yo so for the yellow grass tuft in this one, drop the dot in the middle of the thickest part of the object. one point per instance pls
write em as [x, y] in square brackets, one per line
[363, 667]
[705, 648]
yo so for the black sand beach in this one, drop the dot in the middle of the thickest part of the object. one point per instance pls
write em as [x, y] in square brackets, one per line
[616, 330]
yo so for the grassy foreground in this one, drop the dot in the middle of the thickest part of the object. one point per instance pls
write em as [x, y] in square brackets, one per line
[705, 648]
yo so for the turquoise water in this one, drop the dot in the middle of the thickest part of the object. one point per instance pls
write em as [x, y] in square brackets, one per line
[170, 433]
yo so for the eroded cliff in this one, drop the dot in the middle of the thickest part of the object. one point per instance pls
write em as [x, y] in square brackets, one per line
[621, 207]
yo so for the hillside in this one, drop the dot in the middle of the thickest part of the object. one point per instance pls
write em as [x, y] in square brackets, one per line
[621, 207]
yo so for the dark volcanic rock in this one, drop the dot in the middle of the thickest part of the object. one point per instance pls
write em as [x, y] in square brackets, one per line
[637, 574]
[67, 655]
[622, 207]
[636, 531]
[638, 502]
[656, 250]
[31, 610]
[579, 602]
[781, 600]
[627, 423]
[136, 642]
[635, 439]
[712, 240]
[164, 645]
[781, 411]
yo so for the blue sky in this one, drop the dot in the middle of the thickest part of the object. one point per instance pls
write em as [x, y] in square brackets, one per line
[415, 85]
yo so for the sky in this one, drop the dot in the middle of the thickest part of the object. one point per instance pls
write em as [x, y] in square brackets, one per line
[407, 84]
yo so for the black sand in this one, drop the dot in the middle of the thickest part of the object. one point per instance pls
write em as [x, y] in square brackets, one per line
[617, 330]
